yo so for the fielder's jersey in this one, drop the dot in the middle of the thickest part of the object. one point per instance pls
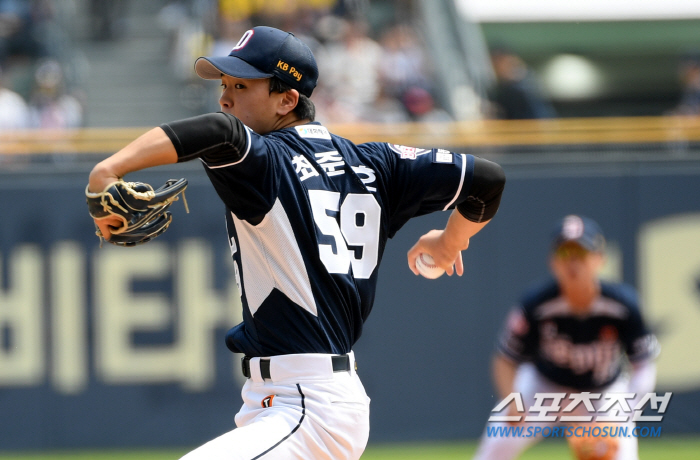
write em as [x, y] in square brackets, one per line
[308, 216]
[579, 351]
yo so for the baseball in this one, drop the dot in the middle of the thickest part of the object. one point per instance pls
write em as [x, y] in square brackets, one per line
[426, 266]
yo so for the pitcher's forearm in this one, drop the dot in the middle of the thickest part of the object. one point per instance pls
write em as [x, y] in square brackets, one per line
[153, 148]
[459, 230]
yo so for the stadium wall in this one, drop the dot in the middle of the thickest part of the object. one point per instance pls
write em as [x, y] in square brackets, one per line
[105, 347]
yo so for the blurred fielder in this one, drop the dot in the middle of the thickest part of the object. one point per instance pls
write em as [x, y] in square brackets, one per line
[573, 334]
[308, 216]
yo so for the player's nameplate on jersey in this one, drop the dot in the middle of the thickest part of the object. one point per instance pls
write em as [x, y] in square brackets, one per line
[443, 156]
[313, 132]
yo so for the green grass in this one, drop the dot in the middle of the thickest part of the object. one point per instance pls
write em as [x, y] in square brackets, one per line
[676, 448]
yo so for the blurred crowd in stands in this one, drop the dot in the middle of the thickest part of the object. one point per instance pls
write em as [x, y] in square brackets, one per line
[369, 72]
[516, 94]
[374, 71]
[374, 63]
[689, 75]
[38, 77]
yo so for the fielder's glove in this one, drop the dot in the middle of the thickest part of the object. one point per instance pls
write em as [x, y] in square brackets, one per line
[589, 447]
[142, 210]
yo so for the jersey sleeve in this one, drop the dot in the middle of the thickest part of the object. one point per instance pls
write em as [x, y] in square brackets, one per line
[240, 163]
[422, 181]
[517, 340]
[248, 187]
[640, 343]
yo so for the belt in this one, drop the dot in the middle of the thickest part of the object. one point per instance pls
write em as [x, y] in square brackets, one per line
[340, 364]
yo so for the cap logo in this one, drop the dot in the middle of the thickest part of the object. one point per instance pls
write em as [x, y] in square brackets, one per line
[244, 40]
[572, 228]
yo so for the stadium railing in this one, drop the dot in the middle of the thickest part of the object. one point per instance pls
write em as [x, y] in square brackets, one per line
[504, 135]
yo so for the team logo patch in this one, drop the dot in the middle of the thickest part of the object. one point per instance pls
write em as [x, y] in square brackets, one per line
[267, 401]
[313, 132]
[408, 153]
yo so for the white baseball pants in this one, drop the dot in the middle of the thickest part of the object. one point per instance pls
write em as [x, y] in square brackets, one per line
[304, 411]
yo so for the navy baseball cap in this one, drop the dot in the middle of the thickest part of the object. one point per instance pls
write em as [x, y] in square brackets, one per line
[264, 52]
[581, 230]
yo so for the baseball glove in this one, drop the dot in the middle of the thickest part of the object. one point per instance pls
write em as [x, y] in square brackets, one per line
[142, 210]
[590, 447]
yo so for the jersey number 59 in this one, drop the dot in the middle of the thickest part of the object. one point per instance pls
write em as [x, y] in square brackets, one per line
[359, 226]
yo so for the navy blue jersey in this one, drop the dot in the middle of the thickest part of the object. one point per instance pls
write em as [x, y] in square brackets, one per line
[582, 351]
[308, 217]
